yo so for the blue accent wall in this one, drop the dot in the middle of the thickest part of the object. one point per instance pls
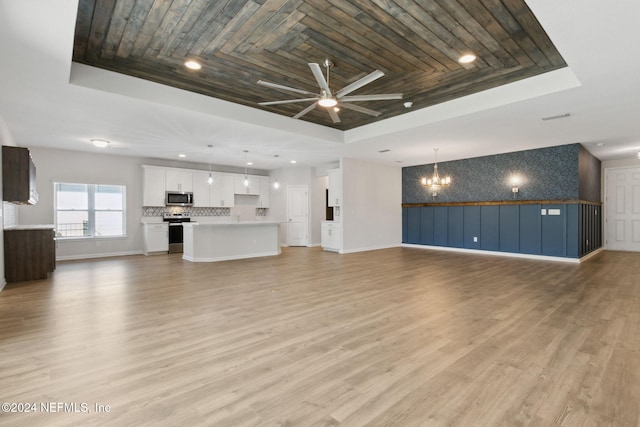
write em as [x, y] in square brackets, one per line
[536, 229]
[546, 174]
[562, 174]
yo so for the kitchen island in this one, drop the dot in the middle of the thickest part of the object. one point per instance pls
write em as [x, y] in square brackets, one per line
[222, 241]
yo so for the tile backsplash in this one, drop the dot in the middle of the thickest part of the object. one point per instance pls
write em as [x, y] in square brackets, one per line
[148, 211]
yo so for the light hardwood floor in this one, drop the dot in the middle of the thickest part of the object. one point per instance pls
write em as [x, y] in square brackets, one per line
[397, 337]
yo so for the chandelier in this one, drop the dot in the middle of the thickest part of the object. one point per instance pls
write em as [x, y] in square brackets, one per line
[435, 183]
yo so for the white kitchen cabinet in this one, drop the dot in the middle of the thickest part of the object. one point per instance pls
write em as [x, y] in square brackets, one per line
[265, 192]
[335, 187]
[179, 180]
[331, 236]
[222, 192]
[253, 189]
[201, 190]
[156, 237]
[153, 185]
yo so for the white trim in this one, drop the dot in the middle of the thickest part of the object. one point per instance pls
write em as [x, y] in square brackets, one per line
[102, 255]
[307, 222]
[505, 254]
[232, 257]
[4, 282]
[371, 248]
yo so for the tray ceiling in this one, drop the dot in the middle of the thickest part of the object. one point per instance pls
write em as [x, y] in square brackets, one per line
[238, 42]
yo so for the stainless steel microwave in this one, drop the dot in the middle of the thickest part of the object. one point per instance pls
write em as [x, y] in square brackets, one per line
[178, 198]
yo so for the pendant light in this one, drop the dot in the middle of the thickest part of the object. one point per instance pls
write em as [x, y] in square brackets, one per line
[436, 183]
[210, 179]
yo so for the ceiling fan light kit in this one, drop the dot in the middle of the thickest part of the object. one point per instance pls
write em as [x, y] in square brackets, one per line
[328, 99]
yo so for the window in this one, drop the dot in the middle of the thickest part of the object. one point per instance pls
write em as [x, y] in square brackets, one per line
[89, 210]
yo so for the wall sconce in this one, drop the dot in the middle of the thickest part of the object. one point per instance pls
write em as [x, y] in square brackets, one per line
[515, 182]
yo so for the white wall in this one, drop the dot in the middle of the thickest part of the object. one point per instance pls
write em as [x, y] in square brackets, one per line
[316, 190]
[372, 211]
[71, 166]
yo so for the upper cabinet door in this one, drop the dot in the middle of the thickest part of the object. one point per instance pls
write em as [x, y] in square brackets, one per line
[179, 180]
[153, 185]
[265, 192]
[222, 193]
[253, 187]
[18, 176]
[201, 189]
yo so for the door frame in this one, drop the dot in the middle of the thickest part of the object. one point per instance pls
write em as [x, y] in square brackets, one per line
[607, 202]
[306, 225]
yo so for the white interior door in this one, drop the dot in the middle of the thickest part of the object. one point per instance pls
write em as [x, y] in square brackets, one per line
[622, 209]
[298, 215]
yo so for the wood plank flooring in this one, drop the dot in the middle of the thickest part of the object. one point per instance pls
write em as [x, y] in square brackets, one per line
[397, 337]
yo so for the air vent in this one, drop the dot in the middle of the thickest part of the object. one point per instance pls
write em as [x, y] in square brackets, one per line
[559, 116]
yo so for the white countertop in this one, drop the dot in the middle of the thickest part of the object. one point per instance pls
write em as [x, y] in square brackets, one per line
[30, 227]
[234, 223]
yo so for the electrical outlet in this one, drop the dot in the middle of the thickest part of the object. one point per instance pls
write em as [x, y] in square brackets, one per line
[475, 239]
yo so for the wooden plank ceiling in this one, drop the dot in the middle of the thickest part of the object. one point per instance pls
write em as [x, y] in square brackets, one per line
[238, 42]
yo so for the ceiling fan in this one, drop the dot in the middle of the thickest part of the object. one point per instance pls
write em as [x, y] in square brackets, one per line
[328, 99]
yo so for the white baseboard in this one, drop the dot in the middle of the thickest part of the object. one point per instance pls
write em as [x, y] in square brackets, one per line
[496, 253]
[4, 282]
[100, 255]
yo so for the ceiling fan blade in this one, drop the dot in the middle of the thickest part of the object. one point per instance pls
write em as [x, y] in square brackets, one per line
[378, 97]
[287, 88]
[287, 101]
[317, 73]
[333, 115]
[359, 83]
[305, 111]
[360, 109]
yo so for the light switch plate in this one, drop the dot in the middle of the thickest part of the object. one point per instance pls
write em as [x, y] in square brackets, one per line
[543, 212]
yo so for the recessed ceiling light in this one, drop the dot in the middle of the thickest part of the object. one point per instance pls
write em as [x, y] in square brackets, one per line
[408, 104]
[465, 59]
[100, 143]
[249, 163]
[192, 65]
[600, 144]
[182, 155]
[293, 161]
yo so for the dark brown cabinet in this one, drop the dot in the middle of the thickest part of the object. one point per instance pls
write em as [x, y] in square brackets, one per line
[18, 176]
[29, 253]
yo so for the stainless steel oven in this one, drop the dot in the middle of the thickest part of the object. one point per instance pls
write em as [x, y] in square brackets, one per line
[176, 239]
